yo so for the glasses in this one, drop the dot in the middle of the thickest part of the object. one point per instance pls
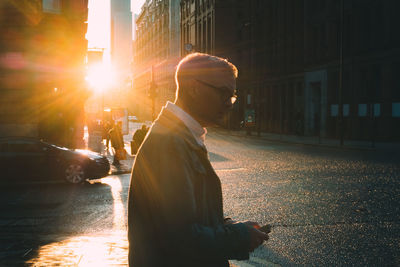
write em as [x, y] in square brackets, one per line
[223, 91]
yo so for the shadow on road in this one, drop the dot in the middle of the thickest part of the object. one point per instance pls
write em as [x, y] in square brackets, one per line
[57, 223]
[216, 157]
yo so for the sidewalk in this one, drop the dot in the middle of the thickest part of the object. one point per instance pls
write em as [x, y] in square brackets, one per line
[125, 166]
[311, 140]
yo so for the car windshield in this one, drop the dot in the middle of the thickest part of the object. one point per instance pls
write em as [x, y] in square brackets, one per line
[53, 145]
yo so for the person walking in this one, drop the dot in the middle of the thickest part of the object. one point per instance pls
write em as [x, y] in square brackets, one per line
[107, 126]
[117, 142]
[138, 138]
[175, 205]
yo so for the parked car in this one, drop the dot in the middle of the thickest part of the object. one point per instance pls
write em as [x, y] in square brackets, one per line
[24, 158]
[133, 118]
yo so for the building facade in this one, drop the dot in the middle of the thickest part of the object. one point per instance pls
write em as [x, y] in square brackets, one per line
[156, 54]
[222, 28]
[121, 51]
[42, 53]
[308, 67]
[351, 68]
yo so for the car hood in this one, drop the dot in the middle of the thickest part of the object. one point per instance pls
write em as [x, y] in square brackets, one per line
[88, 153]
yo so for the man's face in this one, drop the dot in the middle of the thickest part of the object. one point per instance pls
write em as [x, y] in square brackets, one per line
[214, 99]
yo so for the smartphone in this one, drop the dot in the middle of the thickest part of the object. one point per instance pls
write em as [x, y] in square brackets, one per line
[266, 228]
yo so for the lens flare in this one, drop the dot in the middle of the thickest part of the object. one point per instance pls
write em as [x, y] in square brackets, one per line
[100, 77]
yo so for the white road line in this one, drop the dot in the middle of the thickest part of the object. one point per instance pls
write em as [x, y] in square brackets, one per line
[257, 260]
[241, 264]
[264, 262]
[231, 170]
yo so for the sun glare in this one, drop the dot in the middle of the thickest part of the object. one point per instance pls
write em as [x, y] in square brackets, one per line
[100, 77]
[108, 248]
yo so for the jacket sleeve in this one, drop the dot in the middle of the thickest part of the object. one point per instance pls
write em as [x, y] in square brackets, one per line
[175, 182]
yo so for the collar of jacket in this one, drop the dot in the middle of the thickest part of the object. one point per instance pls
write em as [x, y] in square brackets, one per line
[169, 120]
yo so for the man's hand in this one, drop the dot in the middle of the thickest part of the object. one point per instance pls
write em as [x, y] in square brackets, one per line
[256, 237]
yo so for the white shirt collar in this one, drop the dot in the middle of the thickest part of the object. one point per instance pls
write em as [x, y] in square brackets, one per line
[195, 128]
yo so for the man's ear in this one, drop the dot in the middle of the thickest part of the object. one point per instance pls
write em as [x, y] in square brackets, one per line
[194, 90]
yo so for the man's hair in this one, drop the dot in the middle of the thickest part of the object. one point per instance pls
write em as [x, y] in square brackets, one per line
[198, 66]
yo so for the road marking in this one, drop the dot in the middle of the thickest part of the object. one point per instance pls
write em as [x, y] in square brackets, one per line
[27, 252]
[264, 262]
[231, 170]
[256, 261]
[240, 264]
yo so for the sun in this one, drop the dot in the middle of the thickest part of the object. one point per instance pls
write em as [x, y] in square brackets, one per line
[100, 77]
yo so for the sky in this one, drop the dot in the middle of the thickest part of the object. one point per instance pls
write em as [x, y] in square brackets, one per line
[98, 33]
[136, 5]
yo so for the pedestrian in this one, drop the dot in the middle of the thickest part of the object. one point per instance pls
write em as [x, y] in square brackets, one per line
[106, 132]
[117, 142]
[138, 138]
[175, 210]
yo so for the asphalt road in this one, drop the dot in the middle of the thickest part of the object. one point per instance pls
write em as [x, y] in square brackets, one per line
[327, 206]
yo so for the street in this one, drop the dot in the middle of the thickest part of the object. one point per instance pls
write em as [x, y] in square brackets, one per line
[327, 207]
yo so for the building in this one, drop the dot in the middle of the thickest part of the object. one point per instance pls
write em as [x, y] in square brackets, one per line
[307, 67]
[351, 68]
[121, 50]
[156, 54]
[225, 29]
[278, 64]
[42, 53]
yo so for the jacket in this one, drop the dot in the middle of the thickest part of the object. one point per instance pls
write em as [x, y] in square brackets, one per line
[175, 209]
[117, 140]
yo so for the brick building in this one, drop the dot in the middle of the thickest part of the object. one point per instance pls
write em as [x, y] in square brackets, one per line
[42, 53]
[156, 54]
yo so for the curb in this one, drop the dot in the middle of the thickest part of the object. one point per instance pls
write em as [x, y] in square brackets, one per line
[120, 172]
[286, 139]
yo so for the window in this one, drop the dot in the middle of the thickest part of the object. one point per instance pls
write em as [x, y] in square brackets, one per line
[334, 110]
[396, 110]
[346, 110]
[377, 109]
[52, 6]
[362, 110]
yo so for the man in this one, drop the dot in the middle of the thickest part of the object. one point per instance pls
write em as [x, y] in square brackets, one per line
[106, 135]
[117, 142]
[138, 138]
[175, 211]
